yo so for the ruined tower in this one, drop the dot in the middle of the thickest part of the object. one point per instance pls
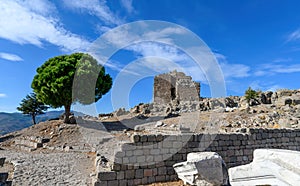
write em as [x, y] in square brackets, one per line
[175, 86]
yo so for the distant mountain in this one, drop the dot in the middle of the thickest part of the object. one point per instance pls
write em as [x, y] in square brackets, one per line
[10, 122]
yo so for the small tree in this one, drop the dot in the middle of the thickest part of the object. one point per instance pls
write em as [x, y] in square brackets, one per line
[32, 106]
[250, 94]
[54, 81]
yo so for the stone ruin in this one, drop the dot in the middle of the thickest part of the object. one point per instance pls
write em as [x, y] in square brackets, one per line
[175, 87]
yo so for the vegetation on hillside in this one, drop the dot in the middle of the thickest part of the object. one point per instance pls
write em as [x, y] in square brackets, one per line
[251, 94]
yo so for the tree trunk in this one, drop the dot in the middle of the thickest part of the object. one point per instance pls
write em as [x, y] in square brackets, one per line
[67, 113]
[33, 119]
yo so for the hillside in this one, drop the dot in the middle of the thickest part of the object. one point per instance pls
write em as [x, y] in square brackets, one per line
[10, 122]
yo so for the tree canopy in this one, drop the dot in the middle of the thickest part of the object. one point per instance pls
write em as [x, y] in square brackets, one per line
[32, 106]
[65, 79]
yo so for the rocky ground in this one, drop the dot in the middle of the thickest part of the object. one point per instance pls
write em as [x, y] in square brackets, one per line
[50, 168]
[53, 153]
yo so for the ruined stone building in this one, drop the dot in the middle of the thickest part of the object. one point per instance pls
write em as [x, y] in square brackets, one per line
[175, 86]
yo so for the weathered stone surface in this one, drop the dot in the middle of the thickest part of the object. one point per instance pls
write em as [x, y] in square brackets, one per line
[175, 86]
[50, 169]
[269, 167]
[202, 166]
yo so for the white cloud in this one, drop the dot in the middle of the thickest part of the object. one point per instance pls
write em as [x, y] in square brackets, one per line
[294, 36]
[2, 95]
[231, 70]
[172, 58]
[10, 57]
[31, 22]
[42, 7]
[97, 8]
[127, 4]
[156, 49]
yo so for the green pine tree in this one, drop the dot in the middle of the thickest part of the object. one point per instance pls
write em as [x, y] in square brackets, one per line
[32, 106]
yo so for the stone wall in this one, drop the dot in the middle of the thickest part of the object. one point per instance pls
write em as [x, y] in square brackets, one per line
[149, 158]
[175, 86]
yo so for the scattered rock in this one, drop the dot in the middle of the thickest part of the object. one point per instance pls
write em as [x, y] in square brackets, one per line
[120, 112]
[141, 116]
[139, 128]
[203, 167]
[159, 124]
[72, 119]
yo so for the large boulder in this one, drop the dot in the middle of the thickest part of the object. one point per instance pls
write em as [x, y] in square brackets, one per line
[266, 98]
[203, 168]
[269, 167]
[216, 103]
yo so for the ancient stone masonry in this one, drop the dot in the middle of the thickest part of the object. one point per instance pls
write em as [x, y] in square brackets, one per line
[136, 165]
[175, 86]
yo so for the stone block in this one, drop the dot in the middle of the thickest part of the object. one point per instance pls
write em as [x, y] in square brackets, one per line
[144, 181]
[138, 152]
[158, 158]
[112, 182]
[167, 144]
[162, 171]
[144, 138]
[132, 159]
[148, 172]
[106, 176]
[139, 173]
[151, 179]
[120, 175]
[141, 159]
[155, 151]
[135, 138]
[160, 178]
[149, 158]
[151, 138]
[101, 183]
[233, 137]
[122, 183]
[129, 174]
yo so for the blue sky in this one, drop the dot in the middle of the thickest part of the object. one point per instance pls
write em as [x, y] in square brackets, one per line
[257, 43]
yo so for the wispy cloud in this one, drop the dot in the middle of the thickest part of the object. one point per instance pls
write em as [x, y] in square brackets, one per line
[34, 22]
[10, 57]
[277, 67]
[294, 36]
[127, 4]
[280, 60]
[172, 58]
[265, 86]
[97, 8]
[2, 95]
[231, 70]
